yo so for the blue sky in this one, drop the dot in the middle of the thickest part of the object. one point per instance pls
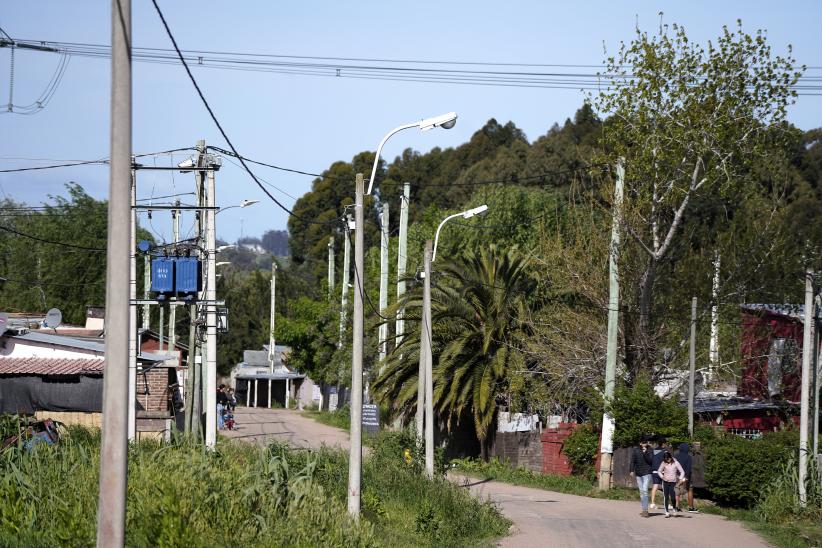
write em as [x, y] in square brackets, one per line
[307, 122]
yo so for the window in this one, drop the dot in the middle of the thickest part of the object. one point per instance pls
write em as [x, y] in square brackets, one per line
[748, 433]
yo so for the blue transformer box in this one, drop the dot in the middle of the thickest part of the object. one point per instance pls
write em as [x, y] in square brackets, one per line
[162, 275]
[189, 278]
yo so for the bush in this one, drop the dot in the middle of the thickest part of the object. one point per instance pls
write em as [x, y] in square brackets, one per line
[738, 469]
[638, 412]
[581, 449]
[779, 500]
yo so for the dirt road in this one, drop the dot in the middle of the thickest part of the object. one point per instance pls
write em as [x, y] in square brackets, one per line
[547, 518]
[260, 425]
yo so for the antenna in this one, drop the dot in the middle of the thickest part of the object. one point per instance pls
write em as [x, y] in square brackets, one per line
[53, 318]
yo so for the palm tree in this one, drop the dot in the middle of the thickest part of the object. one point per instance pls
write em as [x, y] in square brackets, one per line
[476, 305]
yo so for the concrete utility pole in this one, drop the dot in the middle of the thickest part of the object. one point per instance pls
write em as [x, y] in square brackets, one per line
[211, 313]
[133, 344]
[807, 349]
[606, 447]
[383, 333]
[713, 350]
[429, 374]
[345, 272]
[692, 369]
[194, 413]
[146, 289]
[111, 506]
[421, 374]
[330, 268]
[172, 312]
[816, 374]
[355, 457]
[402, 260]
[272, 340]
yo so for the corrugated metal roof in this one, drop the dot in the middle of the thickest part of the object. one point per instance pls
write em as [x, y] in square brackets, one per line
[51, 366]
[796, 311]
[59, 340]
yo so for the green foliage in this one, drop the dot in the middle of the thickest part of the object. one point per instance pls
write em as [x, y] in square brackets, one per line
[779, 500]
[581, 449]
[311, 329]
[638, 411]
[737, 469]
[178, 495]
[341, 418]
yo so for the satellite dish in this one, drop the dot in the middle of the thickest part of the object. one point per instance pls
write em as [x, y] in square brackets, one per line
[4, 322]
[53, 318]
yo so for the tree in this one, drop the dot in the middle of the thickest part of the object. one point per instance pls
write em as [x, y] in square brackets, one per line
[476, 306]
[689, 120]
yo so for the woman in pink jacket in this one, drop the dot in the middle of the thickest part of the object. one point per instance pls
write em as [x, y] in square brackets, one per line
[671, 472]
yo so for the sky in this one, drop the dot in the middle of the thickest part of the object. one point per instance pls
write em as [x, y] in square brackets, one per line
[308, 122]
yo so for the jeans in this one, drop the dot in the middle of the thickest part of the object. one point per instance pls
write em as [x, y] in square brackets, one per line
[669, 491]
[643, 483]
[220, 419]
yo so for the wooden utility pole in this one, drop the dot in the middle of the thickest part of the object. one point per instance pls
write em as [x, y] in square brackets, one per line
[608, 426]
[111, 507]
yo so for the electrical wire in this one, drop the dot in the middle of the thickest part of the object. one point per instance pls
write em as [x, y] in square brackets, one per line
[63, 244]
[220, 127]
[88, 162]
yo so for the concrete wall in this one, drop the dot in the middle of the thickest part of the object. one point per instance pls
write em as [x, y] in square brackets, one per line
[521, 449]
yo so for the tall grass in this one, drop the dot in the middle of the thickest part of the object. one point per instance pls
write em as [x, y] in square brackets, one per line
[181, 495]
[779, 501]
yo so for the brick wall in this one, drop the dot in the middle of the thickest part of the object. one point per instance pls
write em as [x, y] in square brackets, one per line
[554, 460]
[520, 449]
[156, 400]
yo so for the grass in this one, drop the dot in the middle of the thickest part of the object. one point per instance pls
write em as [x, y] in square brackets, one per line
[337, 419]
[799, 533]
[181, 495]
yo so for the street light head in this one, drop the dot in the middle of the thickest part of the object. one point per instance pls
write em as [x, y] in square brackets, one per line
[222, 263]
[225, 247]
[246, 203]
[445, 121]
[189, 162]
[476, 211]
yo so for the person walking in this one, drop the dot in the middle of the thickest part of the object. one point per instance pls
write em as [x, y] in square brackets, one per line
[685, 489]
[641, 459]
[671, 472]
[659, 452]
[222, 401]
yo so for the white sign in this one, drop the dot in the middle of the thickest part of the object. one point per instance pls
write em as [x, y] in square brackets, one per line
[316, 393]
[607, 434]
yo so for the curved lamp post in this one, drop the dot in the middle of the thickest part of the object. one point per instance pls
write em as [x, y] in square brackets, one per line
[426, 379]
[244, 203]
[445, 121]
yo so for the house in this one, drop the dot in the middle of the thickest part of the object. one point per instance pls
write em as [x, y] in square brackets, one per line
[60, 377]
[262, 379]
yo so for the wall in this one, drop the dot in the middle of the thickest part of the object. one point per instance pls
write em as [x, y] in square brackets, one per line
[70, 418]
[156, 399]
[520, 449]
[554, 460]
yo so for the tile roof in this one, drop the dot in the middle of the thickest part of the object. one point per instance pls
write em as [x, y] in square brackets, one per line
[50, 366]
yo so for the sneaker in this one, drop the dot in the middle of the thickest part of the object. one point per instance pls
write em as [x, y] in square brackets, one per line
[667, 515]
[693, 510]
[653, 507]
[645, 514]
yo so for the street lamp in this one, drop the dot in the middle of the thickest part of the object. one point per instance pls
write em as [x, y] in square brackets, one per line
[244, 203]
[426, 377]
[222, 263]
[445, 121]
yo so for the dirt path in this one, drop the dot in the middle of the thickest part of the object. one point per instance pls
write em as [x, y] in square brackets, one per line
[547, 518]
[259, 425]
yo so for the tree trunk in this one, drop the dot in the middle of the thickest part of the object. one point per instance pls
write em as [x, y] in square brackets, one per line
[642, 349]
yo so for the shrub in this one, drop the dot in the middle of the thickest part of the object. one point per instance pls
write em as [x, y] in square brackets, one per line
[638, 411]
[738, 469]
[581, 449]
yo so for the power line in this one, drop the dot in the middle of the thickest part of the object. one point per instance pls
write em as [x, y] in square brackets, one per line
[63, 244]
[217, 123]
[89, 162]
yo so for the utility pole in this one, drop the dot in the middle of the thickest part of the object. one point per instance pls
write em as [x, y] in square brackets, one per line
[146, 289]
[692, 369]
[807, 348]
[383, 332]
[816, 375]
[402, 260]
[429, 374]
[195, 375]
[172, 312]
[713, 351]
[272, 340]
[330, 267]
[211, 313]
[607, 447]
[345, 272]
[355, 457]
[133, 343]
[111, 506]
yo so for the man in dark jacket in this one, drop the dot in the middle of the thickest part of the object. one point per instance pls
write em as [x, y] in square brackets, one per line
[686, 488]
[641, 459]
